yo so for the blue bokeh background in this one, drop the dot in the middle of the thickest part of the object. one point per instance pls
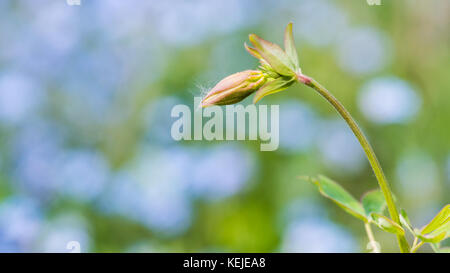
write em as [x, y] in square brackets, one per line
[85, 148]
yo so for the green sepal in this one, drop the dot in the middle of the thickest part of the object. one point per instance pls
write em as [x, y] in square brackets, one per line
[386, 224]
[273, 86]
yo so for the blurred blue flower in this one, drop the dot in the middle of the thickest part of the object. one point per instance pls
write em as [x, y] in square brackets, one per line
[89, 85]
[20, 97]
[20, 222]
[129, 30]
[152, 191]
[55, 27]
[363, 50]
[59, 234]
[125, 19]
[305, 222]
[302, 208]
[37, 157]
[388, 100]
[316, 235]
[82, 174]
[298, 127]
[46, 169]
[158, 121]
[121, 196]
[187, 23]
[222, 171]
[339, 147]
[39, 35]
[166, 206]
[319, 22]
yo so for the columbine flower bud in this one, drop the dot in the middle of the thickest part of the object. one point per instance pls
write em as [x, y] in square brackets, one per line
[279, 69]
[234, 88]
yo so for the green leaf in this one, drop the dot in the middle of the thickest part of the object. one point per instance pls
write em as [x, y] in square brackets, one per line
[373, 201]
[432, 238]
[273, 86]
[387, 224]
[440, 233]
[438, 228]
[340, 196]
[441, 219]
[289, 47]
[404, 220]
[445, 227]
[274, 55]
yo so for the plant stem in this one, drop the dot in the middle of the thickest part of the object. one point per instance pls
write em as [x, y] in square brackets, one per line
[372, 241]
[382, 182]
[415, 248]
[416, 239]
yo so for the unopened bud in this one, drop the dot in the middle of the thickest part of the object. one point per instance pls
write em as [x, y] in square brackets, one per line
[234, 88]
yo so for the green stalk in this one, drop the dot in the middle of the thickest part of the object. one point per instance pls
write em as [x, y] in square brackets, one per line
[372, 241]
[416, 247]
[376, 167]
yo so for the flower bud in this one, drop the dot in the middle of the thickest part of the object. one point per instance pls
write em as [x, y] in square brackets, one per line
[234, 88]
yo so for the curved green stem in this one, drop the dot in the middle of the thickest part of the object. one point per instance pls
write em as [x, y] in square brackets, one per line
[404, 246]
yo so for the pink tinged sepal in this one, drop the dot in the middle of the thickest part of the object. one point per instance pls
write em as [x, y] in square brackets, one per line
[273, 55]
[289, 48]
